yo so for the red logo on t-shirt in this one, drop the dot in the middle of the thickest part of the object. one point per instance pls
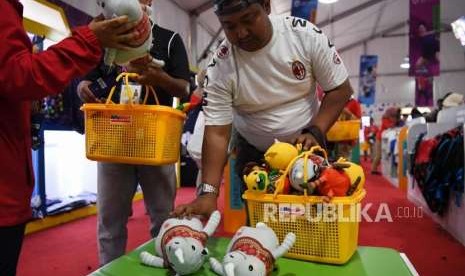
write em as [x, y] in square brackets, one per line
[298, 69]
[223, 52]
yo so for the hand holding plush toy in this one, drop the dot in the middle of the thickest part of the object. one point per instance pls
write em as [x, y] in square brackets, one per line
[181, 244]
[140, 47]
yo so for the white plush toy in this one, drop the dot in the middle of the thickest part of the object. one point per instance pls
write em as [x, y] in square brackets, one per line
[297, 175]
[252, 252]
[181, 243]
[140, 47]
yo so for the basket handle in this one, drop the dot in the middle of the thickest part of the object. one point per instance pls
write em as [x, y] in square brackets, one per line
[280, 182]
[320, 149]
[129, 91]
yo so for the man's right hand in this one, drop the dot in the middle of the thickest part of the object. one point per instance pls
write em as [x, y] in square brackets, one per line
[85, 94]
[114, 33]
[203, 205]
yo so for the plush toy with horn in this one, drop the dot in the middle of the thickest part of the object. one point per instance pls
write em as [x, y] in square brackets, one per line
[139, 47]
[252, 252]
[181, 244]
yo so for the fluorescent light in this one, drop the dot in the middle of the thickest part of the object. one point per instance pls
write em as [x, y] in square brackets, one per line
[458, 27]
[327, 1]
[405, 64]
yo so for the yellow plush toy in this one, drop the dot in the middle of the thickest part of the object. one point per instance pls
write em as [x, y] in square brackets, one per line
[280, 154]
[256, 179]
[355, 173]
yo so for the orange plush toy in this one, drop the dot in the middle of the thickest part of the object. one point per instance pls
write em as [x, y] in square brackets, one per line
[332, 182]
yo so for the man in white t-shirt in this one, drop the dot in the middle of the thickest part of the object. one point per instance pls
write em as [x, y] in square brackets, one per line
[261, 81]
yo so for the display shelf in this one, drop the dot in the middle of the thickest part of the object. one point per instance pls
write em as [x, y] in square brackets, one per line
[387, 169]
[453, 220]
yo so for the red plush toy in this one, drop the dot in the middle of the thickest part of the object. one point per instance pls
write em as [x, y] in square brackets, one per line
[193, 102]
[332, 182]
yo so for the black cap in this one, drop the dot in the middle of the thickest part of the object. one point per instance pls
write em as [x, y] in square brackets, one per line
[223, 7]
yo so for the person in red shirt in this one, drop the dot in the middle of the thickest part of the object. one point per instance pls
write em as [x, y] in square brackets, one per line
[390, 119]
[25, 77]
[370, 132]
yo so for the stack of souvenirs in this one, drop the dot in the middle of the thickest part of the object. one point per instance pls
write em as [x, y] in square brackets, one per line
[289, 170]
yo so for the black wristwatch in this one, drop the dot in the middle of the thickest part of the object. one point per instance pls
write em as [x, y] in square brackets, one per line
[205, 188]
[317, 133]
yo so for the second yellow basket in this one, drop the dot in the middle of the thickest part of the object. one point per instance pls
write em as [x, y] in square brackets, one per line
[344, 131]
[133, 133]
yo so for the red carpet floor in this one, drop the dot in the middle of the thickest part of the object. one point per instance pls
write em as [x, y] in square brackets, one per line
[71, 249]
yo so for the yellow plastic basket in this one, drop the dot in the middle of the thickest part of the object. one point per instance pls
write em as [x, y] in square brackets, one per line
[133, 133]
[344, 131]
[325, 232]
[326, 239]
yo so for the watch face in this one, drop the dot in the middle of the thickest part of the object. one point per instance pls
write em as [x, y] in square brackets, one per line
[204, 188]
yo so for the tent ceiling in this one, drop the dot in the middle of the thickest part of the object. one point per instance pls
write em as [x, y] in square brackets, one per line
[192, 5]
[347, 23]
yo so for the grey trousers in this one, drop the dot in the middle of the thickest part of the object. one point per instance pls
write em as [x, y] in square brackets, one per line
[116, 186]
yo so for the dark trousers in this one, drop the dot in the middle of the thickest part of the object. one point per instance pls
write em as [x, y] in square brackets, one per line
[11, 240]
[245, 153]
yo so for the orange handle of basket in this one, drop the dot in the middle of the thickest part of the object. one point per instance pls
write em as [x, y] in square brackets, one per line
[128, 89]
[151, 89]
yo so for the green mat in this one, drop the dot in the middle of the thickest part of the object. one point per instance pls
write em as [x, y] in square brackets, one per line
[366, 261]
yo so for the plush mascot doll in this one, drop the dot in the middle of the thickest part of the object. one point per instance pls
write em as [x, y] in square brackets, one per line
[252, 252]
[259, 178]
[256, 177]
[181, 244]
[354, 172]
[332, 182]
[140, 47]
[280, 154]
[305, 169]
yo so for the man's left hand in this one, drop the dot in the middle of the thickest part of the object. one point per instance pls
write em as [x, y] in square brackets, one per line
[152, 75]
[307, 140]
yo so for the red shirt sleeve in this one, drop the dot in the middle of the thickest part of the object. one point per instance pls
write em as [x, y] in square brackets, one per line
[27, 76]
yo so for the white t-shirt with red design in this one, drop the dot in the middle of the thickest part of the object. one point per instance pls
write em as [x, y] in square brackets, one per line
[270, 93]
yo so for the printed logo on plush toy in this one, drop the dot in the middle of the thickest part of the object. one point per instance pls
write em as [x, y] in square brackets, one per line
[298, 69]
[223, 52]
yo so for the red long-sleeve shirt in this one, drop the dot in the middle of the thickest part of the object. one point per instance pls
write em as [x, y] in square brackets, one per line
[24, 77]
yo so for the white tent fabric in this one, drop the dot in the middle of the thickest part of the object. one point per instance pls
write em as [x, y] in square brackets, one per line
[356, 27]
